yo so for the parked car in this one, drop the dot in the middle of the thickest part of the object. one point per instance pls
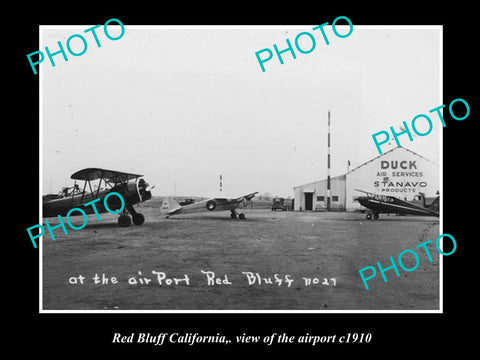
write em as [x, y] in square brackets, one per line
[279, 204]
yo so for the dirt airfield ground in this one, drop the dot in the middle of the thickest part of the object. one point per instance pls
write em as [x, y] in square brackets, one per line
[327, 248]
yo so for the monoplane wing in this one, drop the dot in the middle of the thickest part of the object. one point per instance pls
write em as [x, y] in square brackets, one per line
[363, 191]
[247, 197]
[366, 192]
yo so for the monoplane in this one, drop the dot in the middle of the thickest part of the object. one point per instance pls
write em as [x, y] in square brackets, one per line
[387, 204]
[171, 207]
[131, 187]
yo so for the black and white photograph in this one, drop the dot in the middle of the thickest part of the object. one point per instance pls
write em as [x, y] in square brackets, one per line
[200, 180]
[247, 184]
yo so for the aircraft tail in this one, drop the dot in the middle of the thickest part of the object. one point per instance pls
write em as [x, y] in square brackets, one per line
[421, 197]
[434, 205]
[170, 206]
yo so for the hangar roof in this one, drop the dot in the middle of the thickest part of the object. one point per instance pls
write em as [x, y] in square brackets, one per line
[389, 151]
[365, 163]
[339, 177]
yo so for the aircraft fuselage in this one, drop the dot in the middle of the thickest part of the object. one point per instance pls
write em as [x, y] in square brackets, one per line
[378, 204]
[61, 206]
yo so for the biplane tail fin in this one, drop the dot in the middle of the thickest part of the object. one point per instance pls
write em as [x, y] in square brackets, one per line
[170, 206]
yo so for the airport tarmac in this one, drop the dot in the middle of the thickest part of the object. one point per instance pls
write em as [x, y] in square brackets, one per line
[270, 261]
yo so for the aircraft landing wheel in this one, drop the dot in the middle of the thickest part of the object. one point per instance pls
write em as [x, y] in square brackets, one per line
[369, 216]
[233, 215]
[138, 219]
[241, 216]
[211, 205]
[124, 220]
[375, 216]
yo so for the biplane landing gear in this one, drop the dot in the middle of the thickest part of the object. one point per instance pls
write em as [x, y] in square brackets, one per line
[373, 215]
[138, 219]
[124, 220]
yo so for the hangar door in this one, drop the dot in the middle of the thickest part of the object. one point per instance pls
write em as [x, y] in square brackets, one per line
[308, 199]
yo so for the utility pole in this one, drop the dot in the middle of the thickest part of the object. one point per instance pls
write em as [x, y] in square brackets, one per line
[329, 194]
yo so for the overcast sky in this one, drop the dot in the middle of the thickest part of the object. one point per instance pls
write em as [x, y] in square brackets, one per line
[184, 105]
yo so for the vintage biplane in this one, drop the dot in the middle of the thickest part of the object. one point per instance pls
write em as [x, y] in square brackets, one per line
[171, 207]
[387, 204]
[132, 187]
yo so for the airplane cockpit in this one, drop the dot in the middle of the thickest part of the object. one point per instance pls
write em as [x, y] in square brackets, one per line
[69, 191]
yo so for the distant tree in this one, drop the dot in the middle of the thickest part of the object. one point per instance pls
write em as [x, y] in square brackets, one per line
[266, 196]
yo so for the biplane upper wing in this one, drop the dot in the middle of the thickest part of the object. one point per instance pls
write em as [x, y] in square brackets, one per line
[116, 177]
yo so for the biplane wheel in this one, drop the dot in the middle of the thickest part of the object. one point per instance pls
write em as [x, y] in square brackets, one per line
[375, 216]
[241, 216]
[369, 216]
[124, 220]
[138, 219]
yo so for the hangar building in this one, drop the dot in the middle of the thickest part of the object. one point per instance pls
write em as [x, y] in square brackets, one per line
[398, 172]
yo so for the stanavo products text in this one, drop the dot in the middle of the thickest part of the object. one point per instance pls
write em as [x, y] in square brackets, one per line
[400, 183]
